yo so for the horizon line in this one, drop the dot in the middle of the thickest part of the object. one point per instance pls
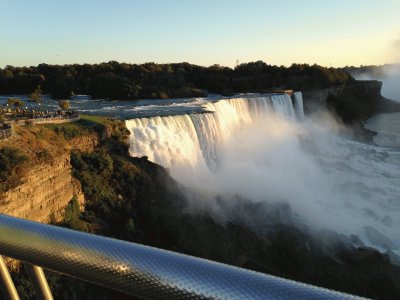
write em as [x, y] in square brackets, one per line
[206, 66]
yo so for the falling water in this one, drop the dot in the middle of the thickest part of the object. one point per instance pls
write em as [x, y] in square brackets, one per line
[195, 139]
[257, 148]
[298, 104]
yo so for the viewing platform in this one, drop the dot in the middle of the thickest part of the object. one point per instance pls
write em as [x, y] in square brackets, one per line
[23, 117]
[50, 119]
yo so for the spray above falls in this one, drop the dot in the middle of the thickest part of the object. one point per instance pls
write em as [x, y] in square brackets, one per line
[264, 149]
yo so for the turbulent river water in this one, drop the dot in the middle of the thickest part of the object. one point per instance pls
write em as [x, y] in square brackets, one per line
[264, 149]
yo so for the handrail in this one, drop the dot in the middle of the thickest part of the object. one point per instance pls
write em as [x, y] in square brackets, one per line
[140, 270]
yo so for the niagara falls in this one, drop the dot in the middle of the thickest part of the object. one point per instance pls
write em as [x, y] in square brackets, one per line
[263, 149]
[200, 150]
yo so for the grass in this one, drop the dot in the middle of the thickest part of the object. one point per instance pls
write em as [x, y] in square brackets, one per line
[94, 120]
[85, 126]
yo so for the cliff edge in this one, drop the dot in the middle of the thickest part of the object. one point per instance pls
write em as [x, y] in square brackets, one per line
[354, 102]
[40, 186]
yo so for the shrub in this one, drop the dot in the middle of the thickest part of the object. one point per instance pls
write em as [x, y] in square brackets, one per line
[29, 123]
[72, 216]
[16, 102]
[10, 159]
[70, 130]
[63, 104]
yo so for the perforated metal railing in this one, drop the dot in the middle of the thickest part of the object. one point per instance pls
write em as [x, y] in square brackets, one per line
[135, 269]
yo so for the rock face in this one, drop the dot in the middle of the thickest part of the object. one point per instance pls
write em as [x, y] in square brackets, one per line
[45, 191]
[85, 143]
[353, 102]
[47, 187]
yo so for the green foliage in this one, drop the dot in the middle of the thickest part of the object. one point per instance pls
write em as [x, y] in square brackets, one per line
[115, 192]
[16, 102]
[96, 120]
[71, 130]
[10, 160]
[63, 104]
[36, 95]
[95, 171]
[72, 216]
[130, 81]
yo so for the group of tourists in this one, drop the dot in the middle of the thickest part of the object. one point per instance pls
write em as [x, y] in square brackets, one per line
[24, 113]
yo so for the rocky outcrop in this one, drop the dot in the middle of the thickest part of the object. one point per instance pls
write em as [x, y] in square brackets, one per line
[86, 143]
[353, 102]
[45, 191]
[47, 187]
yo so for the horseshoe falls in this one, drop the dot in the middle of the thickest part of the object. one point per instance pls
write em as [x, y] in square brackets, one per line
[264, 149]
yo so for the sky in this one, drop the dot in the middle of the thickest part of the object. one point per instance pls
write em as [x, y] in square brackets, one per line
[204, 32]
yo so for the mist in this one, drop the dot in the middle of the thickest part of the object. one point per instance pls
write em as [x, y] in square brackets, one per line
[389, 75]
[328, 180]
[391, 83]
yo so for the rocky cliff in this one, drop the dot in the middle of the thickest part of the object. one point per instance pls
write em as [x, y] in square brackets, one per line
[45, 191]
[354, 102]
[47, 186]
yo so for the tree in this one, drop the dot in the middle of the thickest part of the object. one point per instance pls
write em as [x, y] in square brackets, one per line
[63, 104]
[36, 96]
[16, 102]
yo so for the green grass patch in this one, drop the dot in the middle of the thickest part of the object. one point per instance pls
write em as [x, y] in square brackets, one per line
[85, 126]
[71, 130]
[94, 120]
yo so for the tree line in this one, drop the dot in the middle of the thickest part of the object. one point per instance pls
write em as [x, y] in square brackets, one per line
[373, 71]
[176, 80]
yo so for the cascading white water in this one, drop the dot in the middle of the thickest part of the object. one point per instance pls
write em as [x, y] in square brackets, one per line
[256, 148]
[194, 140]
[298, 105]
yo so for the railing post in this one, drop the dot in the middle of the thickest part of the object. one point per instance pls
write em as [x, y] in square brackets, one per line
[6, 284]
[39, 281]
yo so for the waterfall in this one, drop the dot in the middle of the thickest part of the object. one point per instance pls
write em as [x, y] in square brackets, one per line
[298, 105]
[256, 148]
[194, 140]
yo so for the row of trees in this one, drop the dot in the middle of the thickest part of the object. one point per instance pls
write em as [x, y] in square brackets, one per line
[130, 81]
[373, 71]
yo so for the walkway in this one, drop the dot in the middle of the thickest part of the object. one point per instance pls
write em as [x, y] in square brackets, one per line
[6, 130]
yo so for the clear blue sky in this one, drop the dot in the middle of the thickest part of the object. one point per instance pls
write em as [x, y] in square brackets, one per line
[204, 32]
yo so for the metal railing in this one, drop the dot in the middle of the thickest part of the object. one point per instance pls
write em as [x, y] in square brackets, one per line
[21, 120]
[135, 269]
[55, 119]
